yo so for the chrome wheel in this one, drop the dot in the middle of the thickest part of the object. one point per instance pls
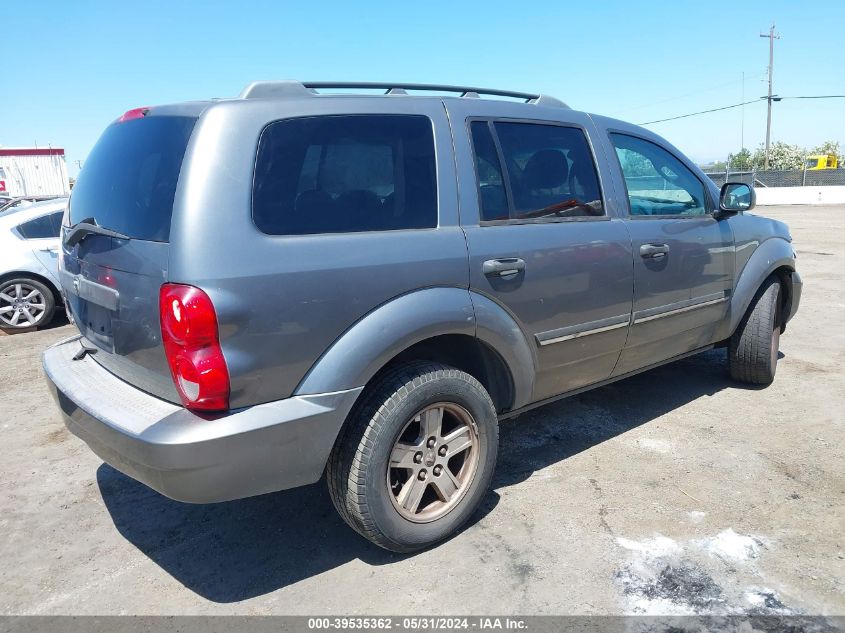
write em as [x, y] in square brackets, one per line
[21, 305]
[433, 462]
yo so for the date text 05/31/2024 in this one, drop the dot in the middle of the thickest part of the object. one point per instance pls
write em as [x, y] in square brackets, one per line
[416, 623]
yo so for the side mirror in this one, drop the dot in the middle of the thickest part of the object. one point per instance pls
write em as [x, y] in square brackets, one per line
[736, 197]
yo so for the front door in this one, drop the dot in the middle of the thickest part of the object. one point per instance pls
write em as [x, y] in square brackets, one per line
[543, 245]
[683, 255]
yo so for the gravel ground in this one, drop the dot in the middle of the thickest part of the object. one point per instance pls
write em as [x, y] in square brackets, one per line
[675, 491]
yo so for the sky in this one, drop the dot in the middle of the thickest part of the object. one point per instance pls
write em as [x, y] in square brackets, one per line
[70, 68]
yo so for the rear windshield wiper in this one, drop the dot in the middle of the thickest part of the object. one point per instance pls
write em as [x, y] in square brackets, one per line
[86, 227]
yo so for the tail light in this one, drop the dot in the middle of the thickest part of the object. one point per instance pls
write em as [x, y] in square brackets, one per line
[192, 346]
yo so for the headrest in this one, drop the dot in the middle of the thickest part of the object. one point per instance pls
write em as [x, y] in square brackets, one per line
[547, 169]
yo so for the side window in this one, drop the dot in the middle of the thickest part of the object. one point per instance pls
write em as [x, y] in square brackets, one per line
[658, 183]
[491, 184]
[43, 227]
[341, 174]
[550, 171]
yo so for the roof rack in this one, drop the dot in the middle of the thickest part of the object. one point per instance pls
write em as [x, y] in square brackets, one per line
[271, 89]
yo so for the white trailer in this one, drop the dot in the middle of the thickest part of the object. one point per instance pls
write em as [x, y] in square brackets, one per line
[33, 171]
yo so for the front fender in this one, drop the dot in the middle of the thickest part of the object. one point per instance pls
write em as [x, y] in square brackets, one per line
[368, 345]
[768, 257]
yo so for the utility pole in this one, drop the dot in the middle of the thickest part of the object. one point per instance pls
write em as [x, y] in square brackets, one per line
[742, 121]
[772, 37]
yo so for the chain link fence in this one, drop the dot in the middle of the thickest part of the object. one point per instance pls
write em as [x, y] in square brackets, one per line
[781, 178]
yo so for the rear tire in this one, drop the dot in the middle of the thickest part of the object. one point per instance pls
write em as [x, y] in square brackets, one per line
[25, 303]
[416, 456]
[753, 348]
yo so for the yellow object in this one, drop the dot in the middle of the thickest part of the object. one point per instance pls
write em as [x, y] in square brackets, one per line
[821, 161]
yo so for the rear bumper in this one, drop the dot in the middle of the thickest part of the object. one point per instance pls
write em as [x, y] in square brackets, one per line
[186, 457]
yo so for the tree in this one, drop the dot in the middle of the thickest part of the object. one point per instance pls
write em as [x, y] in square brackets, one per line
[636, 164]
[781, 156]
[829, 147]
[742, 160]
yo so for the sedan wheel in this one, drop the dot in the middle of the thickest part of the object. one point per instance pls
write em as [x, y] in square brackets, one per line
[24, 303]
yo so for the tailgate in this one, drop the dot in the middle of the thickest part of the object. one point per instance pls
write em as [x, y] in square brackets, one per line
[112, 287]
[127, 187]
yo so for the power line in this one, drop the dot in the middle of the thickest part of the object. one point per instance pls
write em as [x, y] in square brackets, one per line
[684, 116]
[736, 105]
[651, 104]
[814, 97]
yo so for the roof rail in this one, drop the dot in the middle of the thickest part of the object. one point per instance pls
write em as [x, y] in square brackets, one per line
[275, 89]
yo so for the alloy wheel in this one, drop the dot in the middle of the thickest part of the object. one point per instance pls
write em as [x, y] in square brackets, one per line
[21, 305]
[433, 462]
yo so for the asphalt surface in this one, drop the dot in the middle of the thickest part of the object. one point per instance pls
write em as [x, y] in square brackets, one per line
[676, 491]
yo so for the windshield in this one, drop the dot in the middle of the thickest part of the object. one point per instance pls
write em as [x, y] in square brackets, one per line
[128, 182]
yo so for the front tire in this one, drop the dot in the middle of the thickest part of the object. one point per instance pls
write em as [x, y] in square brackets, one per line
[25, 303]
[416, 456]
[753, 348]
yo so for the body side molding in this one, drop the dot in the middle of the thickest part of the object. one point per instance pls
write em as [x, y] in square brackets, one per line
[582, 329]
[680, 307]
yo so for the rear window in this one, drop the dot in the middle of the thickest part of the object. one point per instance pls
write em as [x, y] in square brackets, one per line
[128, 182]
[342, 174]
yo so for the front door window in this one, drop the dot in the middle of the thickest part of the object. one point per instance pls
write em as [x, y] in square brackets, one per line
[657, 182]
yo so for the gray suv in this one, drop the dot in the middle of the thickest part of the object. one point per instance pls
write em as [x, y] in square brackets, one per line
[298, 282]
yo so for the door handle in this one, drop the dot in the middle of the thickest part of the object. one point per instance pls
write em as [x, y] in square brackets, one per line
[505, 267]
[49, 250]
[654, 251]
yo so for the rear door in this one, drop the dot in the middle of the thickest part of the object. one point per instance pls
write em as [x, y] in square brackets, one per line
[541, 241]
[683, 255]
[127, 185]
[42, 234]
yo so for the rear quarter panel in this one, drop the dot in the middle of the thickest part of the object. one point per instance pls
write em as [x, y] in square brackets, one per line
[282, 301]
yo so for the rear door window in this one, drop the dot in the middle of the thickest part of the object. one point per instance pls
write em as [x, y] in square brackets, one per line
[128, 182]
[550, 170]
[44, 227]
[342, 174]
[488, 168]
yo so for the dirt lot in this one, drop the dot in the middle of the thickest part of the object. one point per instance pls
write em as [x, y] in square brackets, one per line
[676, 491]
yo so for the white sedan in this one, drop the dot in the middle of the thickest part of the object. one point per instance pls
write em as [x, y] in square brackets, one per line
[29, 249]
